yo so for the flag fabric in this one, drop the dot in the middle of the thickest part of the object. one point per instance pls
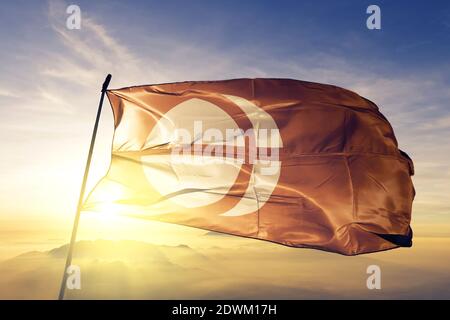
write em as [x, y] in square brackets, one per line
[293, 162]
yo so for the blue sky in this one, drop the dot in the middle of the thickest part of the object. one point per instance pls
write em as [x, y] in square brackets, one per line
[50, 77]
[414, 34]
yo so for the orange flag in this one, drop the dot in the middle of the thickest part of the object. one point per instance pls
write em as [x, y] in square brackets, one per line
[297, 163]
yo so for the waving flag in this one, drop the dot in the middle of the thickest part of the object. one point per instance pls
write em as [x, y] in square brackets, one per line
[292, 162]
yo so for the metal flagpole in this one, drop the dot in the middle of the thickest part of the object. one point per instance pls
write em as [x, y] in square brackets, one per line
[83, 188]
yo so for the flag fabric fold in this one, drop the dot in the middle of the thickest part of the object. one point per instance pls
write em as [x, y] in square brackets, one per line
[297, 163]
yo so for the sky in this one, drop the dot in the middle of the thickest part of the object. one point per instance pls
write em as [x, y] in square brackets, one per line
[50, 80]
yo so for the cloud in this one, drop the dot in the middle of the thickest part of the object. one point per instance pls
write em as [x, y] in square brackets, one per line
[8, 93]
[439, 123]
[86, 54]
[257, 270]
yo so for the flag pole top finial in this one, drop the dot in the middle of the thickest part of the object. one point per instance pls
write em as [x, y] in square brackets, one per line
[106, 83]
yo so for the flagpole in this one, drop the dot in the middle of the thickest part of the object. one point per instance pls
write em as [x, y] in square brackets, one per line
[82, 190]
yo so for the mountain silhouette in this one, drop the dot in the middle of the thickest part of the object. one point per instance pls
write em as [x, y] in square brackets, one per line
[129, 269]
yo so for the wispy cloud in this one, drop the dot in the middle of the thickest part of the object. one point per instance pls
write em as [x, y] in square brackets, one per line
[88, 53]
[439, 123]
[8, 93]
